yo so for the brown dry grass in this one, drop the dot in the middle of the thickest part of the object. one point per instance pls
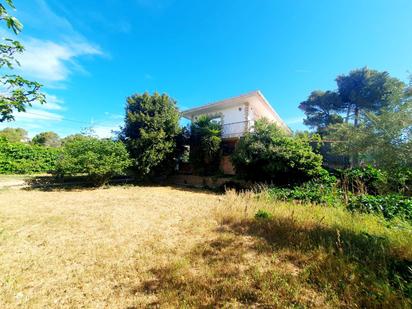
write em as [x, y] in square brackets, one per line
[132, 247]
[94, 248]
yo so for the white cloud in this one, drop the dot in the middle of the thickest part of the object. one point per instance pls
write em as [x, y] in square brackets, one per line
[105, 131]
[108, 127]
[37, 114]
[53, 62]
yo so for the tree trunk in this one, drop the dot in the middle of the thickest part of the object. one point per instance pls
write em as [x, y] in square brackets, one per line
[355, 157]
[356, 121]
[347, 114]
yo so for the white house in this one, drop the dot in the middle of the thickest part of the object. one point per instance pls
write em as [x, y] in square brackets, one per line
[237, 115]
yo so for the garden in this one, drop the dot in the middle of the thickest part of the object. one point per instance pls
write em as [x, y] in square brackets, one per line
[313, 219]
[293, 231]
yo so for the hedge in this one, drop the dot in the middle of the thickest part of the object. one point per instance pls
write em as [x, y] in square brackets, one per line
[21, 158]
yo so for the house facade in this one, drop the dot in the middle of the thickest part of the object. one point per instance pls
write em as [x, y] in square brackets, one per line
[237, 116]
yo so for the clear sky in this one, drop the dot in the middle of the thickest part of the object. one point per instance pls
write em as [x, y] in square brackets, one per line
[91, 55]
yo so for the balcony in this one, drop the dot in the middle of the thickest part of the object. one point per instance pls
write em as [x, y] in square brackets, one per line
[236, 129]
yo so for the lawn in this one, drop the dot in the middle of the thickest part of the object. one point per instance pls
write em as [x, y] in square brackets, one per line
[131, 247]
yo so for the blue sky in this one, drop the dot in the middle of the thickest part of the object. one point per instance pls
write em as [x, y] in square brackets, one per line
[91, 55]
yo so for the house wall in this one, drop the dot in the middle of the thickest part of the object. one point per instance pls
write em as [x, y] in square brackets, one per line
[230, 114]
[233, 114]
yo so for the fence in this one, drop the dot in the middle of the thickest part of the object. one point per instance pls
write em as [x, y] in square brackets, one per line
[236, 129]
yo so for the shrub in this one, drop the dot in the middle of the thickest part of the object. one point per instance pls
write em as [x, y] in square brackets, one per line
[267, 154]
[389, 206]
[367, 179]
[98, 159]
[310, 192]
[21, 158]
[400, 180]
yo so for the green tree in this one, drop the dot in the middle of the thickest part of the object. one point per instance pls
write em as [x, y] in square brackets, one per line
[205, 141]
[14, 135]
[384, 139]
[321, 109]
[362, 90]
[49, 139]
[268, 154]
[365, 90]
[17, 92]
[98, 159]
[150, 131]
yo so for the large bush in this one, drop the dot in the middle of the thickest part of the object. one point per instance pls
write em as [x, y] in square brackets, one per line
[150, 131]
[98, 159]
[267, 154]
[21, 158]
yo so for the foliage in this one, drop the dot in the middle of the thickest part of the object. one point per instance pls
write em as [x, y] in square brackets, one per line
[362, 90]
[17, 92]
[368, 91]
[400, 180]
[320, 109]
[389, 206]
[73, 137]
[366, 179]
[14, 135]
[267, 154]
[383, 140]
[98, 159]
[310, 192]
[151, 128]
[49, 139]
[205, 142]
[21, 158]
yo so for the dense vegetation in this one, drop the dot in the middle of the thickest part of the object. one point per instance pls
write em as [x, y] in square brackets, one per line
[205, 142]
[98, 159]
[21, 158]
[150, 131]
[268, 154]
[14, 134]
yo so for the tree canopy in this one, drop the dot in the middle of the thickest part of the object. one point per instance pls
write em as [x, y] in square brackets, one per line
[49, 139]
[362, 90]
[150, 131]
[320, 109]
[14, 135]
[17, 92]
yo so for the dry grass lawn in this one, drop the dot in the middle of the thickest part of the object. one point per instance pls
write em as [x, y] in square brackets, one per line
[94, 248]
[133, 247]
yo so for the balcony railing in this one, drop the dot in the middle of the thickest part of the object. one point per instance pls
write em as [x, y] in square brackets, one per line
[236, 129]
